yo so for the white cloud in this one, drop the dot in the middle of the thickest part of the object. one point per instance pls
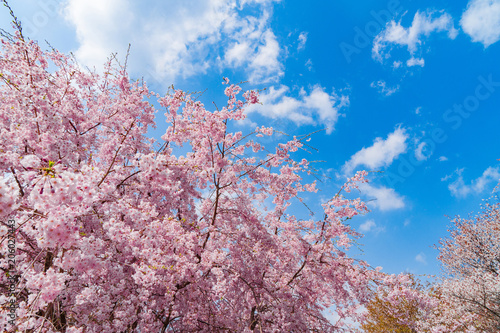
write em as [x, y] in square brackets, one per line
[458, 188]
[97, 24]
[442, 158]
[445, 178]
[381, 153]
[397, 64]
[423, 24]
[481, 21]
[407, 222]
[384, 198]
[383, 89]
[308, 109]
[367, 226]
[244, 2]
[420, 152]
[176, 39]
[236, 54]
[415, 62]
[421, 258]
[302, 40]
[265, 65]
[309, 65]
[370, 226]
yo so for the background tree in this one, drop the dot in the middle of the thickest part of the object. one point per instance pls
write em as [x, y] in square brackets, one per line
[471, 260]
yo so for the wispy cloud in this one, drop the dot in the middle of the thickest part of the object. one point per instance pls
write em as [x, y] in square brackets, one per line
[423, 24]
[309, 65]
[370, 226]
[396, 64]
[460, 189]
[481, 21]
[421, 258]
[367, 226]
[313, 108]
[420, 154]
[381, 153]
[302, 40]
[383, 89]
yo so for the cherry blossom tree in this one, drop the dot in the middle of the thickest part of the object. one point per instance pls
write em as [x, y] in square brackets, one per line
[395, 313]
[118, 232]
[471, 259]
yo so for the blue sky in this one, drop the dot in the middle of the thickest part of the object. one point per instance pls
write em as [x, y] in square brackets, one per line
[407, 88]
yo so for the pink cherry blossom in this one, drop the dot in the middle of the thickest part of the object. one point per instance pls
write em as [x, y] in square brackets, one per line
[117, 232]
